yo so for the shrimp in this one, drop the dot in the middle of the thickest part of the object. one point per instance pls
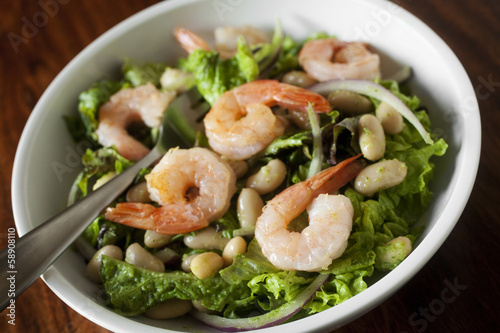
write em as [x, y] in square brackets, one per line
[241, 123]
[190, 41]
[193, 186]
[225, 39]
[330, 220]
[144, 103]
[330, 59]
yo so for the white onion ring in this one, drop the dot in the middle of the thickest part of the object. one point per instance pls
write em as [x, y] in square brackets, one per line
[271, 318]
[372, 89]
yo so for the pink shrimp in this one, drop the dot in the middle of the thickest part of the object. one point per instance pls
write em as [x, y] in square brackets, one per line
[225, 39]
[193, 186]
[330, 59]
[141, 104]
[330, 220]
[190, 41]
[241, 123]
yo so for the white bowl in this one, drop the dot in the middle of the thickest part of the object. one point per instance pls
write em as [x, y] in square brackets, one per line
[46, 161]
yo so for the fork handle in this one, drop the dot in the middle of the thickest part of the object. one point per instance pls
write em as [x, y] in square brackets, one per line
[34, 252]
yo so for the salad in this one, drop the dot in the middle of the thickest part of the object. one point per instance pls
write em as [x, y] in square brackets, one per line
[302, 182]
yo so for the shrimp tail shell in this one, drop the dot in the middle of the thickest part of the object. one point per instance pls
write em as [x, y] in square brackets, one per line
[293, 98]
[333, 178]
[171, 219]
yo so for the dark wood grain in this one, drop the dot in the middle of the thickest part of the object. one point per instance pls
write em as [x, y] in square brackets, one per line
[468, 260]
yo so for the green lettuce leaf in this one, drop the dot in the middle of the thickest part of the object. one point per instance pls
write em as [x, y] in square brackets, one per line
[246, 267]
[214, 75]
[102, 232]
[96, 164]
[132, 290]
[89, 103]
[227, 223]
[337, 290]
[141, 74]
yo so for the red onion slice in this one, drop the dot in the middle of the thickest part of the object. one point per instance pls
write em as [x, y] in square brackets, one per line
[271, 318]
[372, 89]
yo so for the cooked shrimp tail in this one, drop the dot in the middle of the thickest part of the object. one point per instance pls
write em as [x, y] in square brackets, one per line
[190, 41]
[333, 178]
[171, 219]
[289, 97]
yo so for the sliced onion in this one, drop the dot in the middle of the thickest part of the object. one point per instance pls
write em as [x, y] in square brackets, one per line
[317, 154]
[271, 318]
[372, 89]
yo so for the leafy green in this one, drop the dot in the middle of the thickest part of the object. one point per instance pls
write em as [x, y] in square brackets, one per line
[102, 232]
[275, 289]
[246, 267]
[287, 141]
[337, 290]
[347, 264]
[141, 74]
[227, 223]
[133, 290]
[412, 102]
[91, 100]
[96, 164]
[214, 75]
[349, 126]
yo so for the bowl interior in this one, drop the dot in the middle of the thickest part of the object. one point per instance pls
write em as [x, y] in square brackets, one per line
[47, 160]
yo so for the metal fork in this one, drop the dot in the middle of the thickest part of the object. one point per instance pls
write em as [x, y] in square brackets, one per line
[39, 248]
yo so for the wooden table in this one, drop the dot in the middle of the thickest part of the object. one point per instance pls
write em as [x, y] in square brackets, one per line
[467, 264]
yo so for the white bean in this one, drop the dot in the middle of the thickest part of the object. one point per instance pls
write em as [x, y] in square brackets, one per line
[236, 246]
[298, 78]
[94, 264]
[392, 253]
[349, 102]
[186, 263]
[268, 178]
[403, 240]
[390, 118]
[171, 308]
[207, 239]
[206, 264]
[249, 207]
[371, 137]
[153, 239]
[139, 256]
[138, 193]
[380, 176]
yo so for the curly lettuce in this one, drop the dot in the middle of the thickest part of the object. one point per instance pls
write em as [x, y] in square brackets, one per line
[132, 290]
[214, 75]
